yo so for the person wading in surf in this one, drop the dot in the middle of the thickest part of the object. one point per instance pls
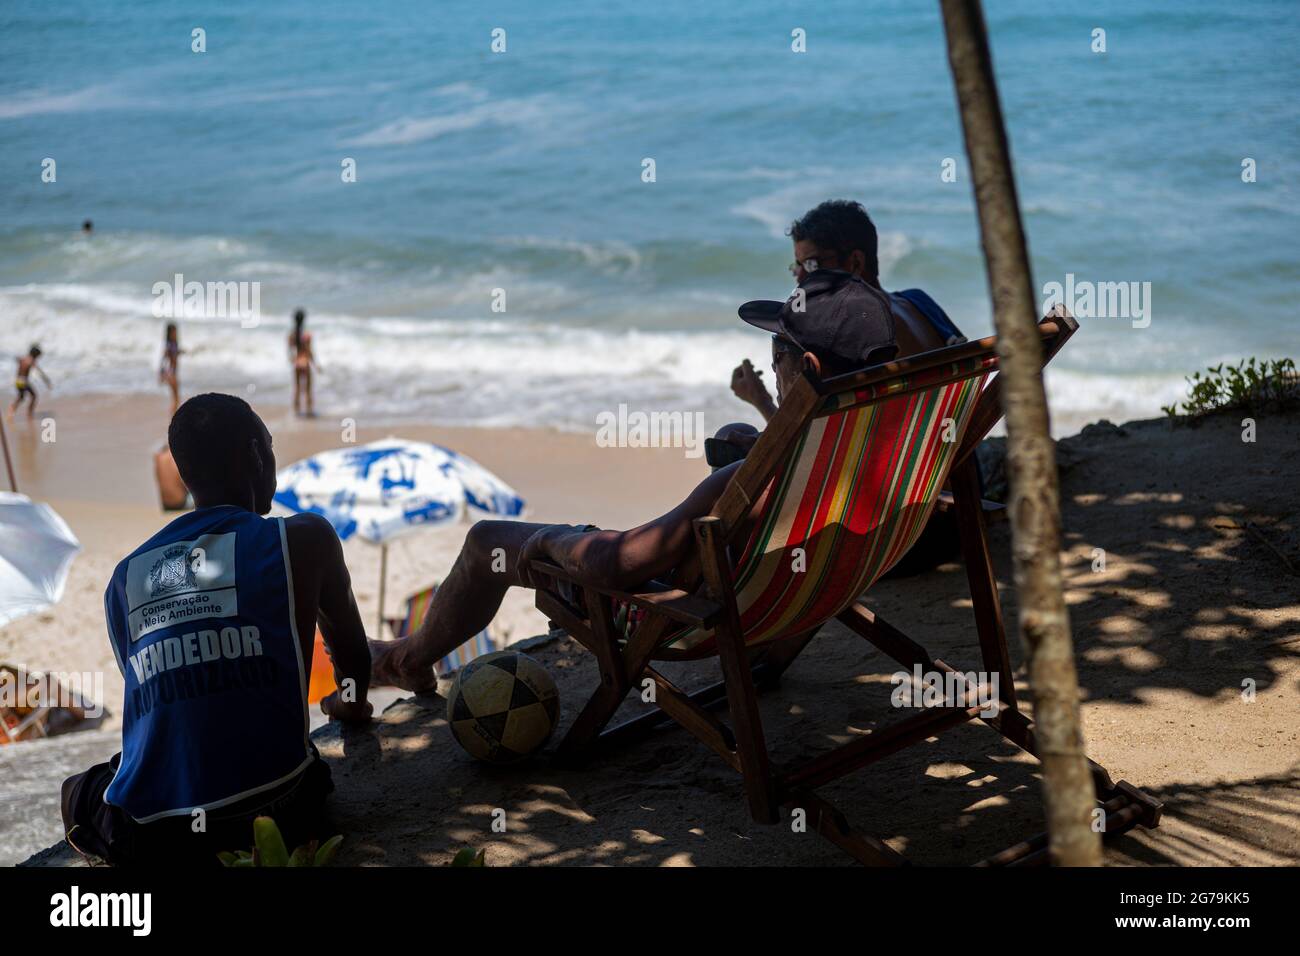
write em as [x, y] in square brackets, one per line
[303, 361]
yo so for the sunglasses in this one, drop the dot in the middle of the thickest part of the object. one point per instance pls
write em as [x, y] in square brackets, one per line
[811, 264]
[781, 345]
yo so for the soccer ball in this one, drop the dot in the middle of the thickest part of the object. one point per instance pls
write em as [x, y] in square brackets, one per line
[502, 707]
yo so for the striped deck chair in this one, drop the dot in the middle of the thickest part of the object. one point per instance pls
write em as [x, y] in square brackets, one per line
[417, 606]
[836, 490]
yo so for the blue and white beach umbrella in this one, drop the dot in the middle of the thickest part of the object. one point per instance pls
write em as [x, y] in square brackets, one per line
[388, 488]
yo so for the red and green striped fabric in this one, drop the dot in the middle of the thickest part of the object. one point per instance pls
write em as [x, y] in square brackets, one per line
[847, 504]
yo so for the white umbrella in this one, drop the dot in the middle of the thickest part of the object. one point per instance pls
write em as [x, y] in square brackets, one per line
[36, 551]
[388, 488]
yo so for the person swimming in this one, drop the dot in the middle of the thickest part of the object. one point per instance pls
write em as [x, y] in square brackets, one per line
[303, 361]
[169, 371]
[23, 381]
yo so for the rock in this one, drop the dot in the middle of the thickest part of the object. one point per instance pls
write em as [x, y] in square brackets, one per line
[1103, 429]
[58, 855]
[31, 775]
[1070, 452]
[991, 454]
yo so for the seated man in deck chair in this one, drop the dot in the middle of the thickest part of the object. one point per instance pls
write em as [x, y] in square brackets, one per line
[844, 325]
[212, 623]
[838, 234]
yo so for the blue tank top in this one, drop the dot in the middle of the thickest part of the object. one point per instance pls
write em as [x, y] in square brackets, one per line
[201, 618]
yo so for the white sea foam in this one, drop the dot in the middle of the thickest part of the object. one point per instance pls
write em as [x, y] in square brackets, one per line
[483, 369]
[777, 210]
[516, 111]
[1077, 398]
[117, 299]
[611, 255]
[463, 90]
[40, 102]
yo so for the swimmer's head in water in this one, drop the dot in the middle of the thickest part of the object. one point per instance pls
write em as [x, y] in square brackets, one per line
[223, 452]
[34, 351]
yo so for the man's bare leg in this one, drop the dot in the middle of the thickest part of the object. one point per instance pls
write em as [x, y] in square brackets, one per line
[464, 604]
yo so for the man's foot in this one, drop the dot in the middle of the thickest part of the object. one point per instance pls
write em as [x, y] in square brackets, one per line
[388, 668]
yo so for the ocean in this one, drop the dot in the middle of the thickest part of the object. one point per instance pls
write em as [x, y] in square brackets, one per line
[522, 171]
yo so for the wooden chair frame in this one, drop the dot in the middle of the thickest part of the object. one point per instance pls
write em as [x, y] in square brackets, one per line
[746, 670]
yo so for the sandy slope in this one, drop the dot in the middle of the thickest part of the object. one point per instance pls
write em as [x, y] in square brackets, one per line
[1191, 604]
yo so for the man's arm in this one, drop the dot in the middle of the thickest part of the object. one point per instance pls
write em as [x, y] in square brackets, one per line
[171, 487]
[622, 560]
[337, 614]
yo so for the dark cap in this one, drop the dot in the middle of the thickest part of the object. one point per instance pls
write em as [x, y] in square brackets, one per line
[842, 317]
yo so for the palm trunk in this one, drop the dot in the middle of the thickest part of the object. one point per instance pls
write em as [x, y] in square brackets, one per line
[1031, 466]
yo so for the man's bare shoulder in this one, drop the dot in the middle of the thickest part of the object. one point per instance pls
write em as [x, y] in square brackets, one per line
[310, 531]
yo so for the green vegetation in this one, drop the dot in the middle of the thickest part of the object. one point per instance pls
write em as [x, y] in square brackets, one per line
[1250, 384]
[269, 849]
[467, 857]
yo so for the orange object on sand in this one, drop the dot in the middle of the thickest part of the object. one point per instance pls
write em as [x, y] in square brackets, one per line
[320, 683]
[34, 705]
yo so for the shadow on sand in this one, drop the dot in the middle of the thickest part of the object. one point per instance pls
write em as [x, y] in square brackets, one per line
[1195, 603]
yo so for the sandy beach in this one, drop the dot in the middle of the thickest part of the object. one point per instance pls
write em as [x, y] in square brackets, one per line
[98, 474]
[1191, 606]
[954, 594]
[1194, 600]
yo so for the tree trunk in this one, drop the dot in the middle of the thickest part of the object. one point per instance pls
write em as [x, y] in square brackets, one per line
[1034, 505]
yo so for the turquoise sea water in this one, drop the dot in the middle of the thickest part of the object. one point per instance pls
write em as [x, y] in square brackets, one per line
[522, 171]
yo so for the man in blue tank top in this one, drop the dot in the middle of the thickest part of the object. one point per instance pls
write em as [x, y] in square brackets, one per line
[213, 621]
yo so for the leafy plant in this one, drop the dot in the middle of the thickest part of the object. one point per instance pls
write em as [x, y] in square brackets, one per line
[467, 857]
[1251, 383]
[269, 849]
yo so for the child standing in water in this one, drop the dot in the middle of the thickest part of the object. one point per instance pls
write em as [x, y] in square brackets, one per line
[169, 371]
[303, 361]
[22, 381]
